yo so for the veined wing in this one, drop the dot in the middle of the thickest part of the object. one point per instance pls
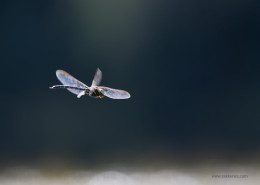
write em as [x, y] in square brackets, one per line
[66, 79]
[114, 93]
[97, 78]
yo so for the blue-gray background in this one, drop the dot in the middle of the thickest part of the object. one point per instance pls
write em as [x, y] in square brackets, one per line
[192, 68]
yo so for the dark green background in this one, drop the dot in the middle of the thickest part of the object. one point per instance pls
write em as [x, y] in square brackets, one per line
[192, 68]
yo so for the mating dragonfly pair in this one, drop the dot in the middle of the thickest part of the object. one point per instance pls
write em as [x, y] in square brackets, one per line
[77, 87]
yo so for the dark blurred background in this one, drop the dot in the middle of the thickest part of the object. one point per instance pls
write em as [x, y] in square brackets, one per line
[192, 68]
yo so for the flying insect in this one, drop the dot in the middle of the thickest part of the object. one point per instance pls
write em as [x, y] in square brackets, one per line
[77, 87]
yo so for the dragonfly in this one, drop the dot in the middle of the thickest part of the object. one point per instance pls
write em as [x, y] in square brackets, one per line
[77, 87]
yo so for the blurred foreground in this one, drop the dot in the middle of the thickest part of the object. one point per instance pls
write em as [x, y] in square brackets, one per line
[209, 174]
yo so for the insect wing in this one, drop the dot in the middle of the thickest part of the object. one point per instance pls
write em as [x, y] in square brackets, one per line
[114, 93]
[66, 79]
[97, 78]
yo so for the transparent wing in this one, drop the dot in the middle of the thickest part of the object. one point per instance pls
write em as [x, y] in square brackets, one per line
[66, 79]
[114, 93]
[97, 78]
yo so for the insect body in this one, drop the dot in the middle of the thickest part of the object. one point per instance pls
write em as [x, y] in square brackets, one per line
[77, 87]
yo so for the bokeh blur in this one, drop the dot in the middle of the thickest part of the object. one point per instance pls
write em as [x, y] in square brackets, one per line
[192, 68]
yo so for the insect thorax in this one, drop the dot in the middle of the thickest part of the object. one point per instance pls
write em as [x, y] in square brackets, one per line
[97, 94]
